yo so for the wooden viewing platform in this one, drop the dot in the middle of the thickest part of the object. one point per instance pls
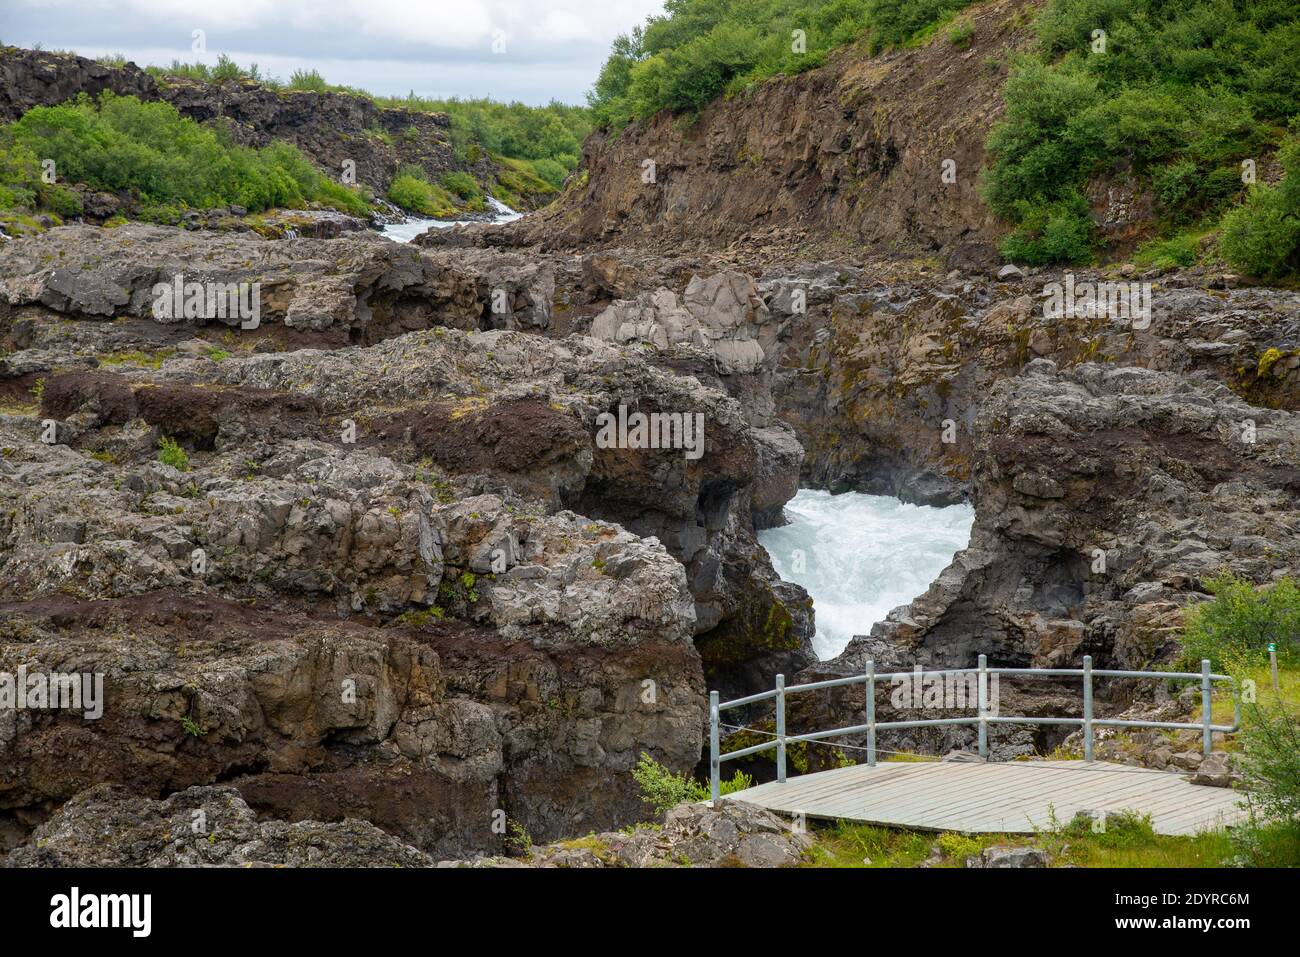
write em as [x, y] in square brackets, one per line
[1016, 797]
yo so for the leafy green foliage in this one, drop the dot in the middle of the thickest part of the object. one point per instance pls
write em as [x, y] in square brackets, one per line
[547, 139]
[464, 186]
[411, 190]
[663, 789]
[1262, 236]
[224, 71]
[1271, 763]
[170, 453]
[164, 159]
[701, 49]
[1182, 93]
[1241, 621]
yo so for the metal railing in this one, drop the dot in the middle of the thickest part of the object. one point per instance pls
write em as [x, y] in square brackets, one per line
[982, 719]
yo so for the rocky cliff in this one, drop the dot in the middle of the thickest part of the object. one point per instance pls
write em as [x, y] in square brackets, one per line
[851, 154]
[330, 128]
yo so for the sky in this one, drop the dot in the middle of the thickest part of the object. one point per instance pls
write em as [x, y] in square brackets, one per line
[528, 50]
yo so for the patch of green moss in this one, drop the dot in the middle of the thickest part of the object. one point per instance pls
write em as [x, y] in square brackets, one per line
[762, 627]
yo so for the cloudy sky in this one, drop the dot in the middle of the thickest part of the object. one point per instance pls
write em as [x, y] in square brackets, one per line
[529, 50]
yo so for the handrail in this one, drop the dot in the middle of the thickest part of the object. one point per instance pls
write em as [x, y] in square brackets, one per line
[982, 719]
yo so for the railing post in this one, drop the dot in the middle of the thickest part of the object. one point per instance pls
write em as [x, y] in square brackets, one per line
[983, 706]
[1207, 719]
[715, 785]
[1087, 708]
[780, 728]
[871, 712]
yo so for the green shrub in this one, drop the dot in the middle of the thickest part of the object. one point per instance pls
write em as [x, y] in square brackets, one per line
[1181, 95]
[551, 171]
[223, 71]
[1270, 762]
[1262, 236]
[958, 847]
[1053, 232]
[1240, 622]
[308, 80]
[411, 190]
[1178, 250]
[170, 453]
[663, 789]
[551, 133]
[59, 199]
[463, 186]
[702, 49]
[167, 160]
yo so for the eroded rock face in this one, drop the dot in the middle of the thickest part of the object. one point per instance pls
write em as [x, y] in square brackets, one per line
[735, 834]
[200, 827]
[855, 149]
[429, 730]
[215, 827]
[534, 436]
[501, 584]
[385, 582]
[1104, 496]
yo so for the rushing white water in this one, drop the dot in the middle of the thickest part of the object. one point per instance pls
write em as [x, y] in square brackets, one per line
[860, 556]
[405, 232]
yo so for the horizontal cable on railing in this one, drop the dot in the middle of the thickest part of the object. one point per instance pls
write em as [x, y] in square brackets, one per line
[981, 720]
[935, 759]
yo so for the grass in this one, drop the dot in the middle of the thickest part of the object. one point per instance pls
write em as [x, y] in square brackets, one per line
[1128, 841]
[148, 360]
[1179, 250]
[1288, 691]
[170, 453]
[412, 191]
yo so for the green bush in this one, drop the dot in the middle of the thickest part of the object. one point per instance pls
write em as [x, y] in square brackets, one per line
[1240, 622]
[663, 789]
[551, 133]
[463, 186]
[1179, 250]
[170, 453]
[1270, 763]
[414, 193]
[223, 71]
[550, 137]
[1181, 95]
[1053, 232]
[167, 160]
[701, 49]
[960, 35]
[308, 80]
[1262, 236]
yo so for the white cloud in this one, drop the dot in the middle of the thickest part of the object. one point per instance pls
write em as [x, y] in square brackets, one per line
[554, 48]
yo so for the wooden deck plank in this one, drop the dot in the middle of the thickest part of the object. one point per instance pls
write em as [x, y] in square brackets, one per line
[1049, 786]
[1011, 797]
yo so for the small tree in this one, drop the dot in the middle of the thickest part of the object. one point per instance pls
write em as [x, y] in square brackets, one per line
[1241, 622]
